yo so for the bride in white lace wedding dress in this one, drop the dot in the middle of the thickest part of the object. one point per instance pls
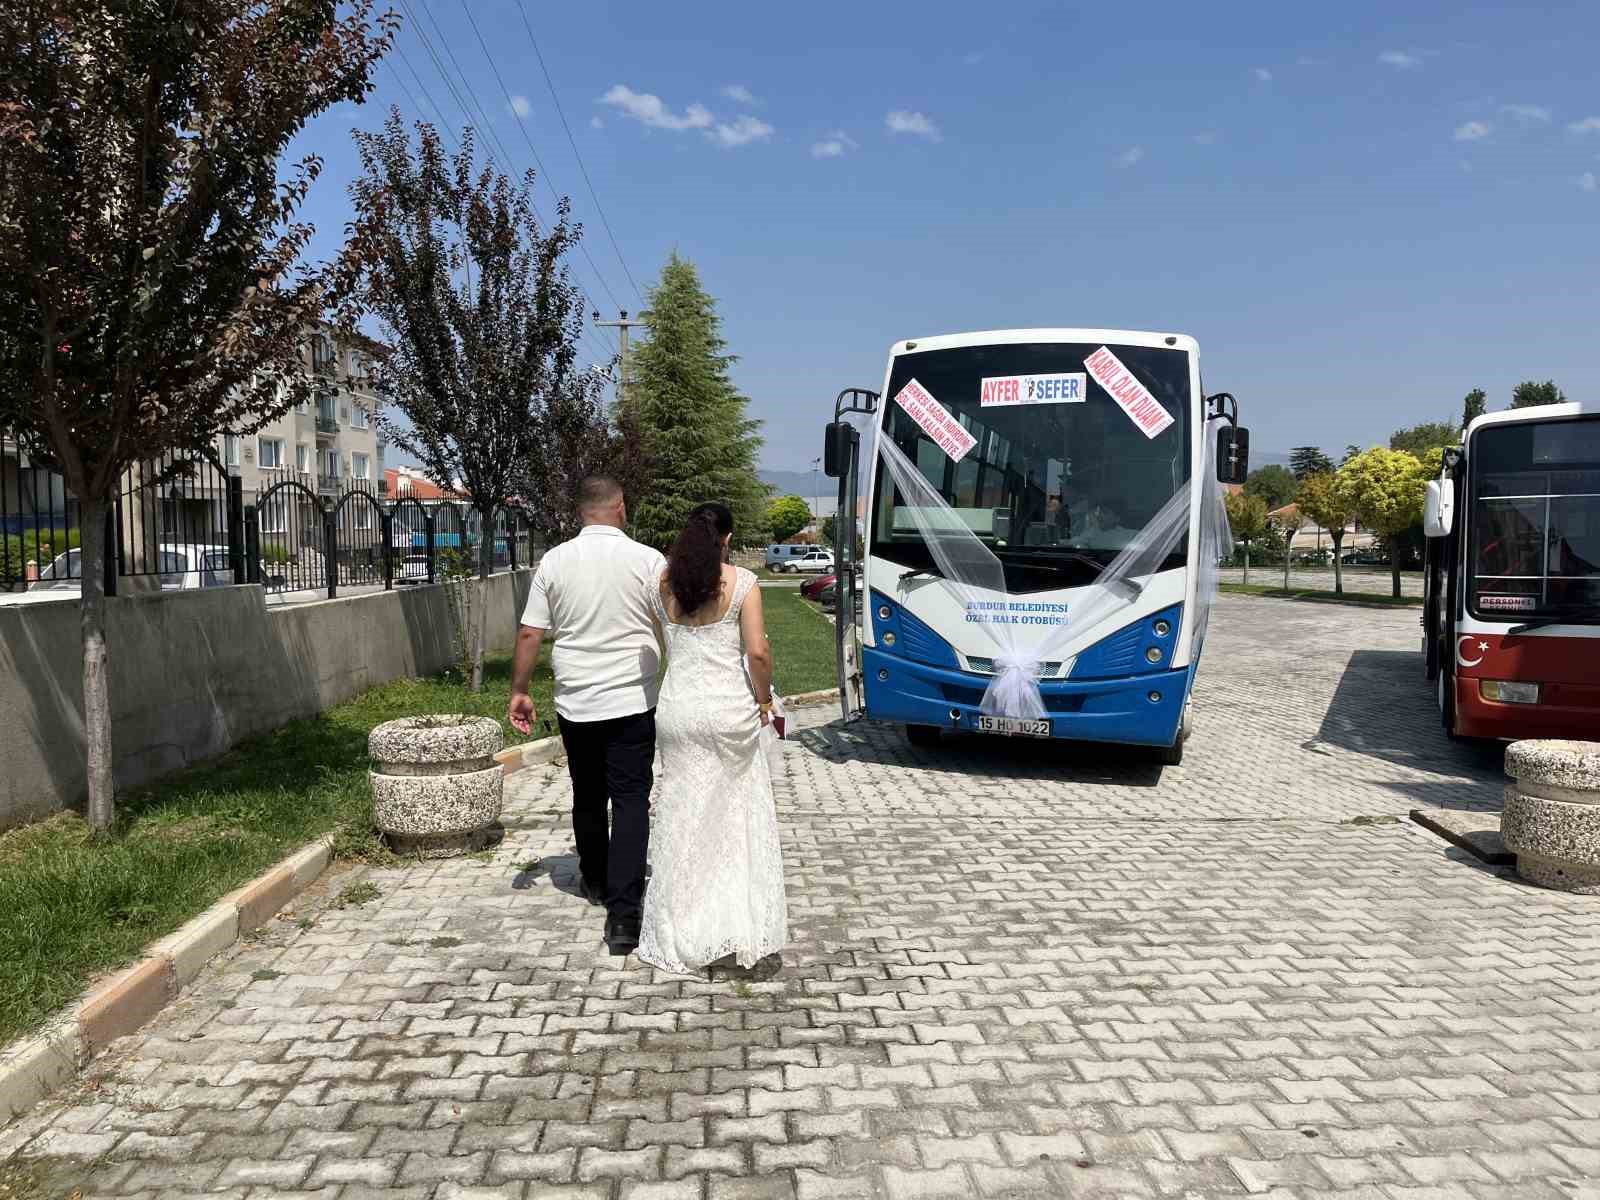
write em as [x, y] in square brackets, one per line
[716, 881]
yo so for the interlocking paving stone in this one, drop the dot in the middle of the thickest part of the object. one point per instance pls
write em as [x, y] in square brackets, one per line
[1014, 970]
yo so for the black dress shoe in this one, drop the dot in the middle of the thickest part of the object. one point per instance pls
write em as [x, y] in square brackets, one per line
[622, 935]
[589, 892]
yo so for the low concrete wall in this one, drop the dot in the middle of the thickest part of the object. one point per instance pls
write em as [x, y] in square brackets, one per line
[192, 673]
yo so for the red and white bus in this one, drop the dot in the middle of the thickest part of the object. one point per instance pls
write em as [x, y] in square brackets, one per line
[1511, 612]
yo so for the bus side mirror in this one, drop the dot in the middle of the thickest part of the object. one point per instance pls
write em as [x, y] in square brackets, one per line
[838, 442]
[1438, 508]
[1233, 454]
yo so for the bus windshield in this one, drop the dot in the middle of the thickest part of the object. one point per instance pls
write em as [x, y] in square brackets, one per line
[1535, 519]
[1060, 477]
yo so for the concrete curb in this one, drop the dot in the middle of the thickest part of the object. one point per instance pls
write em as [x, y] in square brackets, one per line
[529, 754]
[1476, 833]
[31, 1069]
[804, 699]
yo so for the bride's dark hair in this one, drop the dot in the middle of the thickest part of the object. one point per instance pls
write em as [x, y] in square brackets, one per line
[694, 564]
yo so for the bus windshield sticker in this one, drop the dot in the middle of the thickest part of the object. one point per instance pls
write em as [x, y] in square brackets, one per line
[1508, 603]
[1143, 409]
[935, 420]
[1003, 391]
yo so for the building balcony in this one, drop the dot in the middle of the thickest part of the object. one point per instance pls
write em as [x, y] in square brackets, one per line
[327, 427]
[328, 483]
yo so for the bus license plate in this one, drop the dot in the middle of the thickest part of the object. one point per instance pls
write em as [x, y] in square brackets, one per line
[1014, 726]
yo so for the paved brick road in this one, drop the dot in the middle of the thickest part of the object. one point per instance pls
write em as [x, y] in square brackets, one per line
[1015, 971]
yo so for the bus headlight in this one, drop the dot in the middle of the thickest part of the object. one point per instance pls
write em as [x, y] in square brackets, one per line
[1162, 629]
[888, 639]
[1153, 654]
[883, 612]
[1507, 692]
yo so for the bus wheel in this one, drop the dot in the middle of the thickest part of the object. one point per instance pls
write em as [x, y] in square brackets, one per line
[926, 736]
[1172, 756]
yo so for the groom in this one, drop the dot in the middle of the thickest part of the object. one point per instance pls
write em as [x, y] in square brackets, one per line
[590, 595]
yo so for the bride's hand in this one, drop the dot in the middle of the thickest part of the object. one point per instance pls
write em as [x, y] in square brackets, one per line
[766, 717]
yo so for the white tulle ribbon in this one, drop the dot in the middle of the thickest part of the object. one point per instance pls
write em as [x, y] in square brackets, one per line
[970, 569]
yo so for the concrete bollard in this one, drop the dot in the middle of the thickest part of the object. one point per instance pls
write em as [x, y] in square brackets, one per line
[30, 573]
[436, 787]
[1551, 818]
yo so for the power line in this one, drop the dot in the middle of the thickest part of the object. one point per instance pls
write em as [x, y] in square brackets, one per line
[491, 139]
[621, 262]
[544, 174]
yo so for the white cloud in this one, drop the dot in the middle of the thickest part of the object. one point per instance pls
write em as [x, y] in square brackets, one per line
[1264, 75]
[740, 132]
[902, 121]
[649, 110]
[1129, 157]
[1587, 125]
[1526, 113]
[1588, 182]
[520, 108]
[739, 94]
[597, 123]
[836, 145]
[1400, 59]
[1472, 131]
[1206, 137]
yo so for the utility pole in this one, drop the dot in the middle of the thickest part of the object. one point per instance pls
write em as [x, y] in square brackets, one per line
[623, 325]
[816, 497]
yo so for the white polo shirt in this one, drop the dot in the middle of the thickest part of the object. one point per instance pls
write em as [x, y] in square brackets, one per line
[591, 594]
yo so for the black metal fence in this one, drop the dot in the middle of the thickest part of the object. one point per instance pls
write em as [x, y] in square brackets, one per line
[182, 522]
[300, 541]
[175, 522]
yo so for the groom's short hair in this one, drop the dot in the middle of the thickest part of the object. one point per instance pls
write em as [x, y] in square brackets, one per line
[598, 491]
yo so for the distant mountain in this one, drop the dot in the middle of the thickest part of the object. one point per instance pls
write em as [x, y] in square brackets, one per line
[797, 483]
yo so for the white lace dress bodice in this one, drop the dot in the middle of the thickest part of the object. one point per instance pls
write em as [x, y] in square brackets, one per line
[716, 868]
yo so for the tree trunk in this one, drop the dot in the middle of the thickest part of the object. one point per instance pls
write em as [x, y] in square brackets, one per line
[1394, 563]
[1287, 542]
[101, 809]
[1247, 562]
[480, 617]
[1338, 563]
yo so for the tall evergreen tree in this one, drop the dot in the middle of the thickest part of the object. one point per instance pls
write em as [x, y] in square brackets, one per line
[1474, 406]
[1306, 461]
[702, 442]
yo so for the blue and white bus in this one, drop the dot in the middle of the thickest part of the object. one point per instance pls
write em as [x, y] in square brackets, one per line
[1054, 453]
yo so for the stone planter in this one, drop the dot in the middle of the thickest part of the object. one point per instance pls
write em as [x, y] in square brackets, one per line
[435, 784]
[1551, 819]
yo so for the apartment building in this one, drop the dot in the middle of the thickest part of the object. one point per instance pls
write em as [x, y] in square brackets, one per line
[330, 443]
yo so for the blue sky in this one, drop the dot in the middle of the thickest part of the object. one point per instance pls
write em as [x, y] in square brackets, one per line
[1361, 211]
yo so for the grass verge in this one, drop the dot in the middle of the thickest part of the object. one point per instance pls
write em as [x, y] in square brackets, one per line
[802, 643]
[1321, 597]
[73, 906]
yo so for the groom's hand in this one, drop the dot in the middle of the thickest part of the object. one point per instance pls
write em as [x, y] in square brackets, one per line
[521, 713]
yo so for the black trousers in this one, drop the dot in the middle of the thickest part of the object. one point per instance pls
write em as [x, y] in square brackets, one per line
[611, 761]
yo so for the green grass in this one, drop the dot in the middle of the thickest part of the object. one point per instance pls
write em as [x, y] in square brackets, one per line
[802, 643]
[1321, 597]
[73, 906]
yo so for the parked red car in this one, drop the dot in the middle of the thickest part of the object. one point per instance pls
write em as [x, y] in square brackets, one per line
[812, 587]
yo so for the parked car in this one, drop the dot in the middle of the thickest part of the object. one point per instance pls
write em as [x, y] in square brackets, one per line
[828, 597]
[779, 556]
[413, 568]
[815, 559]
[811, 587]
[182, 566]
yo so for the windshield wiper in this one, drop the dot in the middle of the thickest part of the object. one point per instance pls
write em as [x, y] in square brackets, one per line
[1562, 617]
[930, 572]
